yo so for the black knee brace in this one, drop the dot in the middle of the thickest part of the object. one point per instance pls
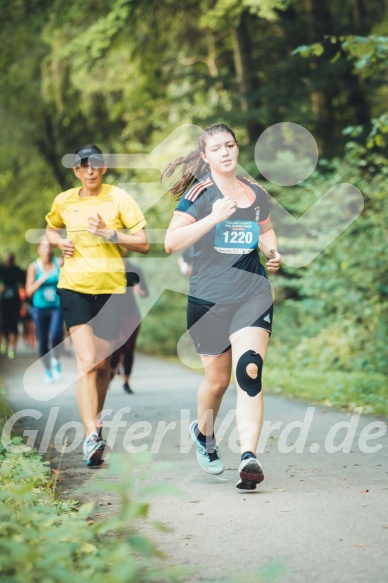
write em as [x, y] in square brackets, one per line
[246, 382]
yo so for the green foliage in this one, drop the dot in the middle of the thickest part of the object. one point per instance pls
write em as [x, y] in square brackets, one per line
[377, 135]
[223, 11]
[164, 325]
[44, 538]
[332, 363]
[5, 410]
[313, 50]
[342, 296]
[369, 54]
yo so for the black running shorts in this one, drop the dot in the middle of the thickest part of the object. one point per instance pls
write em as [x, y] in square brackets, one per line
[211, 326]
[103, 312]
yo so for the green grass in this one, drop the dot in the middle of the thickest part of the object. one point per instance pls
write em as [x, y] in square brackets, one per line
[332, 388]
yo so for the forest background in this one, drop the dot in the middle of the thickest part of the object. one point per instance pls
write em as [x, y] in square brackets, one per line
[125, 74]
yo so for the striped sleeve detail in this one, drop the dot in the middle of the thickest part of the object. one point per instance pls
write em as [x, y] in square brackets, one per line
[186, 215]
[196, 190]
[257, 184]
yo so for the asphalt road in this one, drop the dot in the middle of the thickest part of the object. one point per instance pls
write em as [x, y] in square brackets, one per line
[320, 514]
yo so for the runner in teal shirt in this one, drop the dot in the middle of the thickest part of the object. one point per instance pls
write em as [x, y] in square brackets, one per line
[41, 285]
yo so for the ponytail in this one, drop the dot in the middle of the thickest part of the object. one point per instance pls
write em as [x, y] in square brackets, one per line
[193, 168]
[193, 165]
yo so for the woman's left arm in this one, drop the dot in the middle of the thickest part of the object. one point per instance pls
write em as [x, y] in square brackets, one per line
[269, 247]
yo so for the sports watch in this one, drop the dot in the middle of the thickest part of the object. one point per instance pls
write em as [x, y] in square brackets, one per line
[113, 238]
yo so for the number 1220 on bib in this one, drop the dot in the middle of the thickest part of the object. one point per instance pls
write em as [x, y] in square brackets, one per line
[238, 237]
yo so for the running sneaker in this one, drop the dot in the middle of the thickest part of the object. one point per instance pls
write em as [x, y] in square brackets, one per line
[94, 448]
[208, 457]
[48, 377]
[127, 388]
[56, 369]
[251, 473]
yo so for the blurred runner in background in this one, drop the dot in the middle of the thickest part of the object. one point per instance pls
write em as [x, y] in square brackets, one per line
[41, 286]
[12, 278]
[130, 324]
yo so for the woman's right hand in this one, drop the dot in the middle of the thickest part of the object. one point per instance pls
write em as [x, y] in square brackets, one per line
[223, 208]
[67, 248]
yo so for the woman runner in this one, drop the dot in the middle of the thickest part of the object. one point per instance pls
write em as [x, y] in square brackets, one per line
[41, 285]
[92, 281]
[230, 304]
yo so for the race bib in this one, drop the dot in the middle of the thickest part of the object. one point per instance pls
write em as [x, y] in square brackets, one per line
[238, 237]
[49, 294]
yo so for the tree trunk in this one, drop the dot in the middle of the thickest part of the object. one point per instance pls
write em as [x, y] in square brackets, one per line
[359, 16]
[247, 78]
[47, 146]
[322, 88]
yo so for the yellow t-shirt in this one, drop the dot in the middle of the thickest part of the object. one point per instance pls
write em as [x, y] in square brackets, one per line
[96, 267]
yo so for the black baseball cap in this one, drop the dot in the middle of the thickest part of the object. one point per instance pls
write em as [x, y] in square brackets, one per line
[89, 154]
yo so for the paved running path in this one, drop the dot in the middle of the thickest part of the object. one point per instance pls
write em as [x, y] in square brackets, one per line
[318, 516]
